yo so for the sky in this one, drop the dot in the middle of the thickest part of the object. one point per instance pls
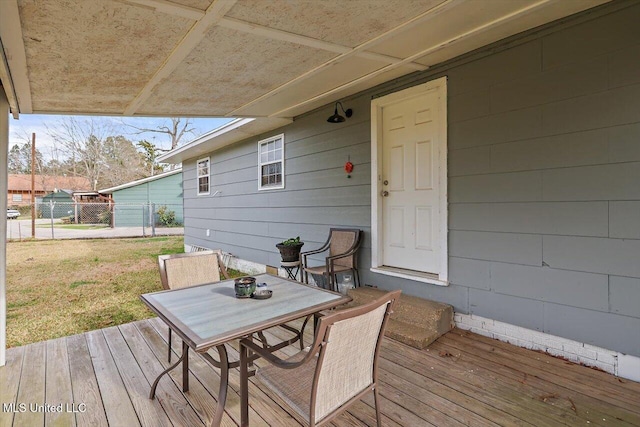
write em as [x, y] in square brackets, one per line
[21, 129]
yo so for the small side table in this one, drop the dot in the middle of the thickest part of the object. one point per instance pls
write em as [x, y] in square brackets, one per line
[292, 268]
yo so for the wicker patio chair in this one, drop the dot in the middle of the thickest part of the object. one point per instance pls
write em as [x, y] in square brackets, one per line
[343, 245]
[189, 269]
[337, 370]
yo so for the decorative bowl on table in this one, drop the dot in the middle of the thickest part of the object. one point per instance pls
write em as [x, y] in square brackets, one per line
[244, 286]
[262, 294]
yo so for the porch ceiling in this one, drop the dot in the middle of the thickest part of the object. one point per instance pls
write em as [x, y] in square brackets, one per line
[239, 58]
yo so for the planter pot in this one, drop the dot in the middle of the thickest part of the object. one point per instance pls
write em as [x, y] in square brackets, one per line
[244, 286]
[290, 253]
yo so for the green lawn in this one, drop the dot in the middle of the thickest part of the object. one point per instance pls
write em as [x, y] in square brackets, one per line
[64, 287]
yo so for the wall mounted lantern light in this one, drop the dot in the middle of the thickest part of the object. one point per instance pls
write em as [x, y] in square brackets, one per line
[337, 118]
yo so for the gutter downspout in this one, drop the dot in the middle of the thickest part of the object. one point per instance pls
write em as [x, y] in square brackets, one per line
[4, 149]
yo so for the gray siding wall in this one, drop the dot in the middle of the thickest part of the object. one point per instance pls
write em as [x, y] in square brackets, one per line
[544, 183]
[132, 203]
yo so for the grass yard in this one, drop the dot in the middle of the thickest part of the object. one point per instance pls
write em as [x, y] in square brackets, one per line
[57, 288]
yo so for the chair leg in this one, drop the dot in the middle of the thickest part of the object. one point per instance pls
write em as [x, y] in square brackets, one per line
[169, 349]
[357, 277]
[376, 401]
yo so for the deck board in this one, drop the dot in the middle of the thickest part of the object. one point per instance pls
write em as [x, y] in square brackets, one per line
[84, 382]
[461, 379]
[175, 403]
[149, 412]
[10, 380]
[557, 370]
[579, 398]
[115, 398]
[31, 388]
[58, 385]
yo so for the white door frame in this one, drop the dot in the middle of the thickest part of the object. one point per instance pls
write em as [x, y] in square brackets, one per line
[439, 85]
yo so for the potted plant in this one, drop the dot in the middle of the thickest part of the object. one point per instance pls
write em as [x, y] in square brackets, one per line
[290, 249]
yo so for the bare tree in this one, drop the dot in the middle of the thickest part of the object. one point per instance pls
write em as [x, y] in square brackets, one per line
[93, 152]
[81, 141]
[176, 129]
[19, 160]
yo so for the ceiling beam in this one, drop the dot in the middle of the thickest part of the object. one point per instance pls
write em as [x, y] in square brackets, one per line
[194, 36]
[272, 33]
[16, 57]
[456, 39]
[420, 19]
[7, 84]
[169, 8]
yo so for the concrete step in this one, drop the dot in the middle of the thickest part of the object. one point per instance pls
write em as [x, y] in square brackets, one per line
[415, 321]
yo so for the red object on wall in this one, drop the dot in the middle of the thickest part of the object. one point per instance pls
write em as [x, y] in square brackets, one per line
[348, 167]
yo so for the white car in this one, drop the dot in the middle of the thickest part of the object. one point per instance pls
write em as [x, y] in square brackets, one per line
[12, 214]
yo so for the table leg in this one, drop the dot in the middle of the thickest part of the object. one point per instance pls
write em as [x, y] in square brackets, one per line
[155, 383]
[244, 387]
[185, 367]
[223, 364]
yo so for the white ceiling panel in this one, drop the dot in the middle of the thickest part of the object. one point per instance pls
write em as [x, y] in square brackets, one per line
[266, 58]
[378, 77]
[473, 25]
[348, 23]
[97, 58]
[196, 4]
[230, 67]
[296, 92]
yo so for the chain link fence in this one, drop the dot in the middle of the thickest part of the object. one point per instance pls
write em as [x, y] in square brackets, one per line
[62, 219]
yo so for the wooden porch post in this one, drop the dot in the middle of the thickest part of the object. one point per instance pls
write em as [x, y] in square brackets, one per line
[4, 149]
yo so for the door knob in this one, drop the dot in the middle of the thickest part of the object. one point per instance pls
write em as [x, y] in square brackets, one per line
[384, 194]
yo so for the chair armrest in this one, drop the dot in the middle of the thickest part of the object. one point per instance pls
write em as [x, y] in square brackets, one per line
[323, 248]
[315, 251]
[267, 355]
[344, 255]
[330, 259]
[303, 255]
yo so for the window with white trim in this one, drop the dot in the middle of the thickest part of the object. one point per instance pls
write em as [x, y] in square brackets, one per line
[16, 197]
[271, 163]
[203, 176]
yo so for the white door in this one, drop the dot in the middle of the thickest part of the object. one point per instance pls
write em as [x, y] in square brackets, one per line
[410, 182]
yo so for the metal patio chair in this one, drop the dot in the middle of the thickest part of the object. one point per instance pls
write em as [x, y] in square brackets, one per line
[337, 370]
[189, 269]
[343, 245]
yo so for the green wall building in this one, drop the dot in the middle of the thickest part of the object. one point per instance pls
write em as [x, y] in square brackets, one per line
[138, 203]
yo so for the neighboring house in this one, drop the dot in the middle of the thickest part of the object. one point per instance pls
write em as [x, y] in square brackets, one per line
[83, 207]
[57, 204]
[505, 182]
[136, 201]
[19, 187]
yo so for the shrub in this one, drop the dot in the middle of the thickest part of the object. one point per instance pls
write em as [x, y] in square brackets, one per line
[167, 217]
[104, 217]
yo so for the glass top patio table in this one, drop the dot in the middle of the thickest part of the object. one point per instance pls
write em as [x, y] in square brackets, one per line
[209, 315]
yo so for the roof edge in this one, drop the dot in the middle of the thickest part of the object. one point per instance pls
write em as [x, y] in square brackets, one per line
[225, 128]
[138, 182]
[233, 132]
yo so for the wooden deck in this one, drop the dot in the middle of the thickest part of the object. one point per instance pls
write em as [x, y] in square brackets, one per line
[103, 377]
